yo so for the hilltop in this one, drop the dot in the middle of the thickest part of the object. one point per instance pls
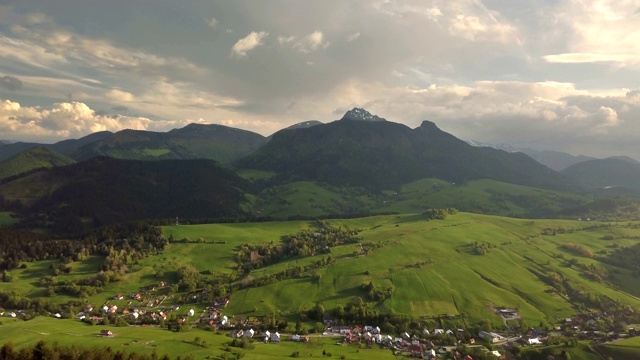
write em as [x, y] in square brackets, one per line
[35, 158]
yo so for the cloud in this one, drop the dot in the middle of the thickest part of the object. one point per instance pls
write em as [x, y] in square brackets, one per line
[353, 37]
[119, 95]
[599, 32]
[311, 42]
[10, 83]
[212, 23]
[60, 121]
[248, 43]
[577, 58]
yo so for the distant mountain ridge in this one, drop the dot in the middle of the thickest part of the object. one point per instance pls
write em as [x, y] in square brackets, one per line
[194, 141]
[383, 154]
[610, 172]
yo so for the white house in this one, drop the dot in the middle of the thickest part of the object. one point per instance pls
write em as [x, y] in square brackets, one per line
[496, 353]
[240, 333]
[191, 312]
[449, 332]
[425, 331]
[533, 341]
[267, 334]
[275, 337]
[249, 333]
[438, 331]
[295, 337]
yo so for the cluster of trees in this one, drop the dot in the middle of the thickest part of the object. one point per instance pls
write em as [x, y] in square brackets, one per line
[42, 350]
[302, 244]
[377, 293]
[439, 214]
[481, 248]
[579, 249]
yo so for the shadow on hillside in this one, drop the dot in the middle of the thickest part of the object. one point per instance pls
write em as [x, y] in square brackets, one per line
[344, 294]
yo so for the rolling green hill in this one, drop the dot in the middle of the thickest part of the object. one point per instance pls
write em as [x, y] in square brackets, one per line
[35, 158]
[381, 155]
[105, 191]
[194, 141]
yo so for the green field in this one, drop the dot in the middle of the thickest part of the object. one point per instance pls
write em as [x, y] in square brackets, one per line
[480, 196]
[150, 339]
[431, 266]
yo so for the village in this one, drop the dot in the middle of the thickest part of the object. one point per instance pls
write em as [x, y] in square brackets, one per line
[153, 306]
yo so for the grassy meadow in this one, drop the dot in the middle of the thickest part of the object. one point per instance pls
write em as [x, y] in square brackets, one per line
[151, 339]
[431, 266]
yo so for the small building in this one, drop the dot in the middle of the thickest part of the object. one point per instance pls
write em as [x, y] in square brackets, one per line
[106, 333]
[275, 338]
[249, 333]
[533, 341]
[489, 336]
[295, 337]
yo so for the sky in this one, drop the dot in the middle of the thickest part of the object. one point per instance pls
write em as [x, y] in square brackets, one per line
[544, 74]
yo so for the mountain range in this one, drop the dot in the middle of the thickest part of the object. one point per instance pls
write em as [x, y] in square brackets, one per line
[214, 171]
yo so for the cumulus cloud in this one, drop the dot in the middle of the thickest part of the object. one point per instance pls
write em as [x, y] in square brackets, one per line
[60, 121]
[10, 83]
[248, 43]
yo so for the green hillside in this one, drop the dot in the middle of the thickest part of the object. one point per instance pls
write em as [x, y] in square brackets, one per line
[35, 158]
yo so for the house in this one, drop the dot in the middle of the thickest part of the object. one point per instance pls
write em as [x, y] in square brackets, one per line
[57, 315]
[431, 354]
[275, 338]
[118, 297]
[106, 333]
[378, 338]
[449, 332]
[438, 331]
[240, 333]
[88, 308]
[425, 331]
[416, 349]
[468, 357]
[191, 312]
[12, 314]
[532, 341]
[249, 333]
[489, 336]
[497, 354]
[295, 337]
[406, 336]
[267, 334]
